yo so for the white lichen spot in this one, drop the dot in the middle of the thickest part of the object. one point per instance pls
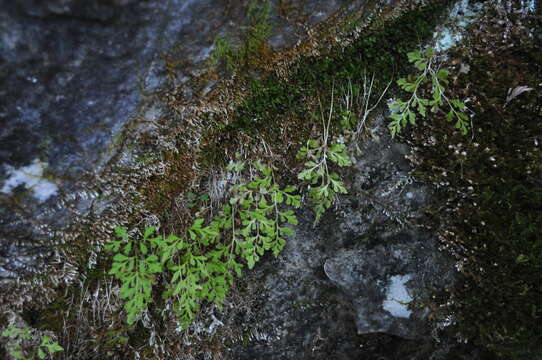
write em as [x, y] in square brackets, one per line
[31, 177]
[397, 297]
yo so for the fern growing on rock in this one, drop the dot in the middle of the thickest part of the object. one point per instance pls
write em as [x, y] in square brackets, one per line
[404, 112]
[257, 205]
[319, 154]
[135, 264]
[202, 265]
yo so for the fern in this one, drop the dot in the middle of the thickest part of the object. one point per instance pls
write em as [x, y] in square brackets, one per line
[47, 345]
[135, 265]
[324, 184]
[257, 204]
[198, 268]
[249, 225]
[204, 262]
[17, 336]
[404, 111]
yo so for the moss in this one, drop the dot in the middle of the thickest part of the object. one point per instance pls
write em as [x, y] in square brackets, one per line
[161, 192]
[253, 43]
[489, 207]
[278, 111]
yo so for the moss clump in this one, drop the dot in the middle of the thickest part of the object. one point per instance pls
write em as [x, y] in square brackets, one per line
[489, 205]
[278, 111]
[163, 190]
[253, 42]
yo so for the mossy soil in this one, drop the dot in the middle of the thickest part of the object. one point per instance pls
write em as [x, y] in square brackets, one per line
[488, 208]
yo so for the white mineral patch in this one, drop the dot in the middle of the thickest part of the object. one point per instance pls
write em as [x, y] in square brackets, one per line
[31, 177]
[397, 297]
[461, 15]
[528, 6]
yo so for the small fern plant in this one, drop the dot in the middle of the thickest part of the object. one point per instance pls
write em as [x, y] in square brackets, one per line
[257, 204]
[201, 265]
[16, 336]
[136, 264]
[251, 223]
[197, 273]
[404, 111]
[319, 154]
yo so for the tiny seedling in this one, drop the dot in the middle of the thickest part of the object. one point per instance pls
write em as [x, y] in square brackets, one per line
[16, 336]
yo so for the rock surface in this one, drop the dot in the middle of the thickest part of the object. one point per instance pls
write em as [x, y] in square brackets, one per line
[365, 269]
[387, 283]
[70, 73]
[75, 72]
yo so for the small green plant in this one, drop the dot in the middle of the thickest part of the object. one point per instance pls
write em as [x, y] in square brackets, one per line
[16, 338]
[252, 42]
[249, 225]
[224, 51]
[259, 12]
[195, 199]
[198, 272]
[257, 203]
[135, 264]
[323, 183]
[203, 263]
[49, 346]
[404, 111]
[351, 94]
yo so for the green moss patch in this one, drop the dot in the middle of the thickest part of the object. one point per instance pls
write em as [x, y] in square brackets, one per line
[489, 205]
[284, 112]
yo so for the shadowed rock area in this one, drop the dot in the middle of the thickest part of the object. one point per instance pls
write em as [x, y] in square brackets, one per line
[71, 74]
[364, 270]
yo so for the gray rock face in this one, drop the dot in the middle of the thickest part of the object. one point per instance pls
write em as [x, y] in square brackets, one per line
[90, 10]
[71, 72]
[387, 283]
[365, 269]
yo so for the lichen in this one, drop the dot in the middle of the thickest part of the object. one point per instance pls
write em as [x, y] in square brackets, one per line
[397, 297]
